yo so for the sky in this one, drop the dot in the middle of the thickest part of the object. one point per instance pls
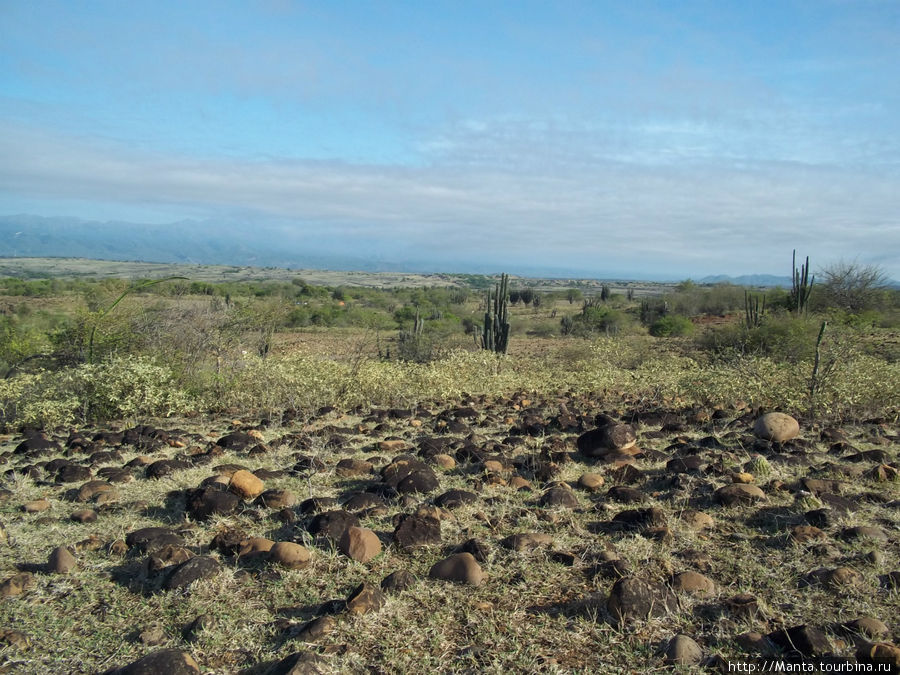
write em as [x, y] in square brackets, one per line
[639, 139]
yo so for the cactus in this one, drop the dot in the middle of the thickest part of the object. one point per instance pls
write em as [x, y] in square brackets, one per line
[495, 334]
[801, 286]
[754, 310]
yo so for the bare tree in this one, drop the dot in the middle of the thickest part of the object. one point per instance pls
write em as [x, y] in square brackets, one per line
[852, 286]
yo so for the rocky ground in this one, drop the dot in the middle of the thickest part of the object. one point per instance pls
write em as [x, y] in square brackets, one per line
[508, 535]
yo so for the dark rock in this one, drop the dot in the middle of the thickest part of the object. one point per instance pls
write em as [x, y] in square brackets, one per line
[73, 473]
[638, 519]
[633, 599]
[166, 467]
[454, 498]
[298, 663]
[805, 639]
[625, 495]
[398, 581]
[559, 497]
[739, 493]
[364, 599]
[194, 628]
[237, 440]
[479, 550]
[317, 505]
[161, 662]
[149, 539]
[201, 567]
[333, 524]
[351, 468]
[413, 531]
[459, 567]
[206, 502]
[363, 501]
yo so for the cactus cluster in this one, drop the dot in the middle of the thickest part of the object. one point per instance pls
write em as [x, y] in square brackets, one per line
[754, 309]
[495, 333]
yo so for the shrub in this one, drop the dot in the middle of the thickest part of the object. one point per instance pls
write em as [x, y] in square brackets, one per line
[115, 389]
[671, 326]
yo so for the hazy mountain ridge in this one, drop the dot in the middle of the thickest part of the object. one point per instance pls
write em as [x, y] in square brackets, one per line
[218, 242]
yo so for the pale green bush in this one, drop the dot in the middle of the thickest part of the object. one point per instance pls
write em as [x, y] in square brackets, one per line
[121, 387]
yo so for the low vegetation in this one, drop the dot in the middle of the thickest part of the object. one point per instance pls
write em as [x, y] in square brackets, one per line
[616, 439]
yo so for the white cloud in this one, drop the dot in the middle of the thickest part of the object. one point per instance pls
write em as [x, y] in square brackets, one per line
[581, 210]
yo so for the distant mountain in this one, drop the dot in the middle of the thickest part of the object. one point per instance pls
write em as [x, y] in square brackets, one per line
[187, 241]
[748, 280]
[233, 242]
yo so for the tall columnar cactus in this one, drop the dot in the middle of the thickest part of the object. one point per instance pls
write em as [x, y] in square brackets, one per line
[801, 286]
[495, 334]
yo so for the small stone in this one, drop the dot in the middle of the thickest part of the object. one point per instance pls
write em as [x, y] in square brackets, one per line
[333, 524]
[446, 462]
[277, 499]
[392, 446]
[36, 506]
[15, 638]
[742, 477]
[198, 625]
[352, 468]
[519, 483]
[869, 627]
[455, 498]
[683, 651]
[84, 516]
[360, 544]
[16, 585]
[559, 497]
[366, 598]
[527, 541]
[842, 577]
[398, 581]
[255, 546]
[591, 482]
[290, 555]
[414, 531]
[98, 492]
[298, 663]
[246, 485]
[693, 583]
[633, 599]
[211, 501]
[149, 539]
[118, 548]
[808, 640]
[201, 567]
[880, 653]
[755, 642]
[161, 662]
[804, 534]
[697, 520]
[316, 629]
[152, 636]
[459, 567]
[865, 532]
[61, 561]
[743, 606]
[739, 493]
[167, 556]
[777, 427]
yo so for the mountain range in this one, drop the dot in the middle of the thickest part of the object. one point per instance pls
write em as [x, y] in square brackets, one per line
[234, 243]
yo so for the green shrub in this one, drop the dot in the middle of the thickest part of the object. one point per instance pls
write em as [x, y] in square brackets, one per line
[671, 326]
[122, 387]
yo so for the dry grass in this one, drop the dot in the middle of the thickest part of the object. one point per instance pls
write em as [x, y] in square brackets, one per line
[529, 616]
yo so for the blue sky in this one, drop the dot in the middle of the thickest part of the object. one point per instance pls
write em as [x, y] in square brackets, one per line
[640, 138]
